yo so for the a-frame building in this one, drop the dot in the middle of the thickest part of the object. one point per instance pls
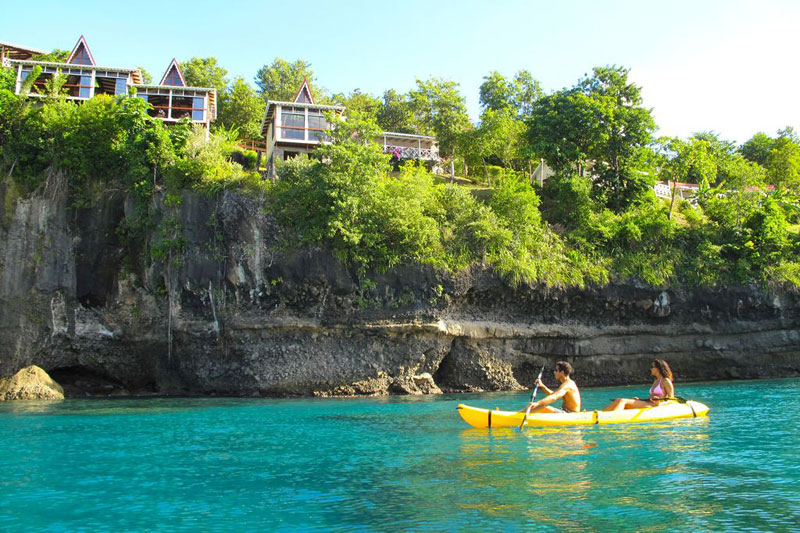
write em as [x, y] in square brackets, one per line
[171, 99]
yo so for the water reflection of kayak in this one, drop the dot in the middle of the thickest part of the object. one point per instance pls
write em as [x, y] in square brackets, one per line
[485, 418]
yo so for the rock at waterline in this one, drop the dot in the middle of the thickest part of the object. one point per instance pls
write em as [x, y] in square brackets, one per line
[30, 383]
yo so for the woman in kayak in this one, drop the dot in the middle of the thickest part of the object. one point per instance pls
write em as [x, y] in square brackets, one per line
[661, 389]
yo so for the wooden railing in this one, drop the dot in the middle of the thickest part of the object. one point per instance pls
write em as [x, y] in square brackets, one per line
[250, 144]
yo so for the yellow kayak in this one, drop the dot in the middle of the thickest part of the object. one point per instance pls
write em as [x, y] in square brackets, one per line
[485, 418]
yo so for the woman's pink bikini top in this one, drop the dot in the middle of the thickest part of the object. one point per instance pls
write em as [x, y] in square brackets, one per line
[656, 390]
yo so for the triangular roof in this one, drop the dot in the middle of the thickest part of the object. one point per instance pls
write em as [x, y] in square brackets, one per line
[304, 89]
[81, 55]
[173, 75]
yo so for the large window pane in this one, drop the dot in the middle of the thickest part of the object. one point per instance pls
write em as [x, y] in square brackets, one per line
[197, 108]
[85, 87]
[292, 125]
[317, 128]
[120, 86]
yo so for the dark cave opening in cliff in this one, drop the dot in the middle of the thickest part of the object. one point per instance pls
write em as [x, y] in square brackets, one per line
[79, 381]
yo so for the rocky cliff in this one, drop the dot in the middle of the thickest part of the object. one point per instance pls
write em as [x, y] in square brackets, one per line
[221, 309]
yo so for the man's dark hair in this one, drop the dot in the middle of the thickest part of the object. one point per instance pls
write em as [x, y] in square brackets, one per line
[565, 367]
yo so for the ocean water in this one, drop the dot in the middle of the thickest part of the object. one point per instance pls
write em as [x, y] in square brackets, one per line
[402, 463]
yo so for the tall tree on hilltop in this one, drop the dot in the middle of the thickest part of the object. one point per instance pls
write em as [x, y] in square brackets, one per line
[783, 161]
[757, 148]
[281, 80]
[517, 95]
[240, 107]
[395, 113]
[364, 104]
[205, 72]
[599, 121]
[440, 110]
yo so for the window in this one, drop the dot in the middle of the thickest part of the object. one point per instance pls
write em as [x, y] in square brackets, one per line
[317, 127]
[173, 78]
[81, 57]
[120, 86]
[198, 103]
[303, 96]
[85, 88]
[293, 124]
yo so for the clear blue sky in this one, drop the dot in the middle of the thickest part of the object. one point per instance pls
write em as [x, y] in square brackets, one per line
[728, 66]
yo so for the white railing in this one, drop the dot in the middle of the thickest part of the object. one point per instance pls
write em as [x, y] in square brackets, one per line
[407, 152]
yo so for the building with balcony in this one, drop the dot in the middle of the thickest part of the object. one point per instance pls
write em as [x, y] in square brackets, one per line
[171, 99]
[299, 126]
[296, 127]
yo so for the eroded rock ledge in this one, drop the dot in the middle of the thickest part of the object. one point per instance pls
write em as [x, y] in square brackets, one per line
[236, 316]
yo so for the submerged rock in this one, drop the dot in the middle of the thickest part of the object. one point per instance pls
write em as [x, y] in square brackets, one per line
[30, 383]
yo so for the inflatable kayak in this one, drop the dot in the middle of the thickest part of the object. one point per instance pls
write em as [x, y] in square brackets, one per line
[485, 418]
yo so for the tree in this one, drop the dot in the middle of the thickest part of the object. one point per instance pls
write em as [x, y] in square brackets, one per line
[757, 148]
[517, 95]
[240, 107]
[599, 121]
[364, 104]
[146, 77]
[526, 92]
[395, 114]
[56, 56]
[690, 162]
[783, 161]
[497, 93]
[499, 136]
[438, 106]
[205, 72]
[281, 80]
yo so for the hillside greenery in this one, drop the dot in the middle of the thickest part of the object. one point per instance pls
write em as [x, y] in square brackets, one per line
[596, 220]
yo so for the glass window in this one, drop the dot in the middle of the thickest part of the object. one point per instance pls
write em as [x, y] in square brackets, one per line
[121, 86]
[81, 57]
[142, 96]
[317, 128]
[173, 78]
[85, 88]
[198, 103]
[292, 125]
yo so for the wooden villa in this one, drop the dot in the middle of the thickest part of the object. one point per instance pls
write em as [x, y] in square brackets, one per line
[298, 127]
[171, 99]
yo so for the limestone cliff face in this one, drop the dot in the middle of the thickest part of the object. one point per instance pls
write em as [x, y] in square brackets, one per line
[226, 312]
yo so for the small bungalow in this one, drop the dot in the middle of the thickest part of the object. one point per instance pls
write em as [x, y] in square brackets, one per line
[171, 99]
[296, 127]
[299, 126]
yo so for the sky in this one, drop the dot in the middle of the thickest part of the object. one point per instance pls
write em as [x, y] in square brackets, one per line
[703, 65]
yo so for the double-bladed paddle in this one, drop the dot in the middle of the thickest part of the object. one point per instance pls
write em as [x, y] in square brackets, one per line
[533, 396]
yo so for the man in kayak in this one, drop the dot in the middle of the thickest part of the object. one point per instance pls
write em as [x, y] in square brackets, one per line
[567, 392]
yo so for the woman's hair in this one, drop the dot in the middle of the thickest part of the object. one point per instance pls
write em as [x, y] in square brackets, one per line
[663, 367]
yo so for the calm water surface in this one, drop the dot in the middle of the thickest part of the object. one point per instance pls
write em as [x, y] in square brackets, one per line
[398, 464]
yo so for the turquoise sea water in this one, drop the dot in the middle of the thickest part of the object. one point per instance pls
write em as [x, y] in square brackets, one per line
[398, 464]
